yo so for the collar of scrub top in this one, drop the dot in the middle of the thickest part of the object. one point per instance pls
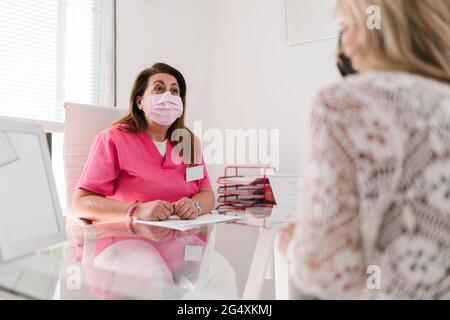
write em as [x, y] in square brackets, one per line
[168, 161]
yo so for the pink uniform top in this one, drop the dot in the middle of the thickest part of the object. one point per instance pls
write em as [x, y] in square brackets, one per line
[128, 167]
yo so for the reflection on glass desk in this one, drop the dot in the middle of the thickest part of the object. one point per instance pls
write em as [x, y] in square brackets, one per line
[269, 217]
[102, 261]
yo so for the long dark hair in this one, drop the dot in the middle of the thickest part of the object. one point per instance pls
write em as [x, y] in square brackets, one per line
[135, 121]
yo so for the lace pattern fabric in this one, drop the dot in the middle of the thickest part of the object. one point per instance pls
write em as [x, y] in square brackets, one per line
[377, 190]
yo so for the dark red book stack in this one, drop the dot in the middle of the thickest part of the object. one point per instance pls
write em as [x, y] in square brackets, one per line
[244, 187]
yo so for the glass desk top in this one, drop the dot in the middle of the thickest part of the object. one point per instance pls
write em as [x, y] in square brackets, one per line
[102, 261]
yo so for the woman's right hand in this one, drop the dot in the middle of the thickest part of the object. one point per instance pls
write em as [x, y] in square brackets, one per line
[158, 210]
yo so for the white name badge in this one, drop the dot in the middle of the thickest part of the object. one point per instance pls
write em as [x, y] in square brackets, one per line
[195, 173]
[193, 253]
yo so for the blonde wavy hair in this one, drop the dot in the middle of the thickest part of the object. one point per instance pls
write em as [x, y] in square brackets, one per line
[414, 36]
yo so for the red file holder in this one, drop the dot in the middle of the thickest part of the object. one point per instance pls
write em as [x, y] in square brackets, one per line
[238, 191]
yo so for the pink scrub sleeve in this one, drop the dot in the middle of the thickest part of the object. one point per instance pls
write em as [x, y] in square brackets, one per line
[102, 167]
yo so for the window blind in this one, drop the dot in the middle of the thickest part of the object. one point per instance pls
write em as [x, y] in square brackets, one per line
[52, 51]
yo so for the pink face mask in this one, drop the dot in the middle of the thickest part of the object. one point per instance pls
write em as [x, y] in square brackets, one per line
[163, 109]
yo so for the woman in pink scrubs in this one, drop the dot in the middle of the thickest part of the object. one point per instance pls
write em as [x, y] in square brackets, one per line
[137, 162]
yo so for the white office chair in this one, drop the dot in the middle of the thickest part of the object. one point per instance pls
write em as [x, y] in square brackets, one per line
[83, 123]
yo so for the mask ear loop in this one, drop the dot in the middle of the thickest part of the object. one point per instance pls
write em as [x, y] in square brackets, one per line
[345, 66]
[344, 63]
[139, 105]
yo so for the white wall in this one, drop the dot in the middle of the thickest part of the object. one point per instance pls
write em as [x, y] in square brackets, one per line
[260, 82]
[177, 32]
[240, 72]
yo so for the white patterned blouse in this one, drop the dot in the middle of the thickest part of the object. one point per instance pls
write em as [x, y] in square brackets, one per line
[374, 217]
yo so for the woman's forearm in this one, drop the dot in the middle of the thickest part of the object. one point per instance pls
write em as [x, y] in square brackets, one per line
[206, 199]
[95, 208]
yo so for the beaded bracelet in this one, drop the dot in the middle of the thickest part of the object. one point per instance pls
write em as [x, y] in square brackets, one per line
[130, 218]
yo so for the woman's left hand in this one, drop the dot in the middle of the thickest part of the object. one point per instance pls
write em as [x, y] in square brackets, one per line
[186, 209]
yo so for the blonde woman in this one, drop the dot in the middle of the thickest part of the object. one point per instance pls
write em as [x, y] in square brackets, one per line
[375, 219]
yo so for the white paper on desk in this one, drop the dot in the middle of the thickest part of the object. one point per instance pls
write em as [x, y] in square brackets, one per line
[184, 225]
[282, 216]
[286, 190]
[7, 152]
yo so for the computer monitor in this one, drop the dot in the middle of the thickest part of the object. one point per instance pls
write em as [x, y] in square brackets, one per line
[30, 213]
